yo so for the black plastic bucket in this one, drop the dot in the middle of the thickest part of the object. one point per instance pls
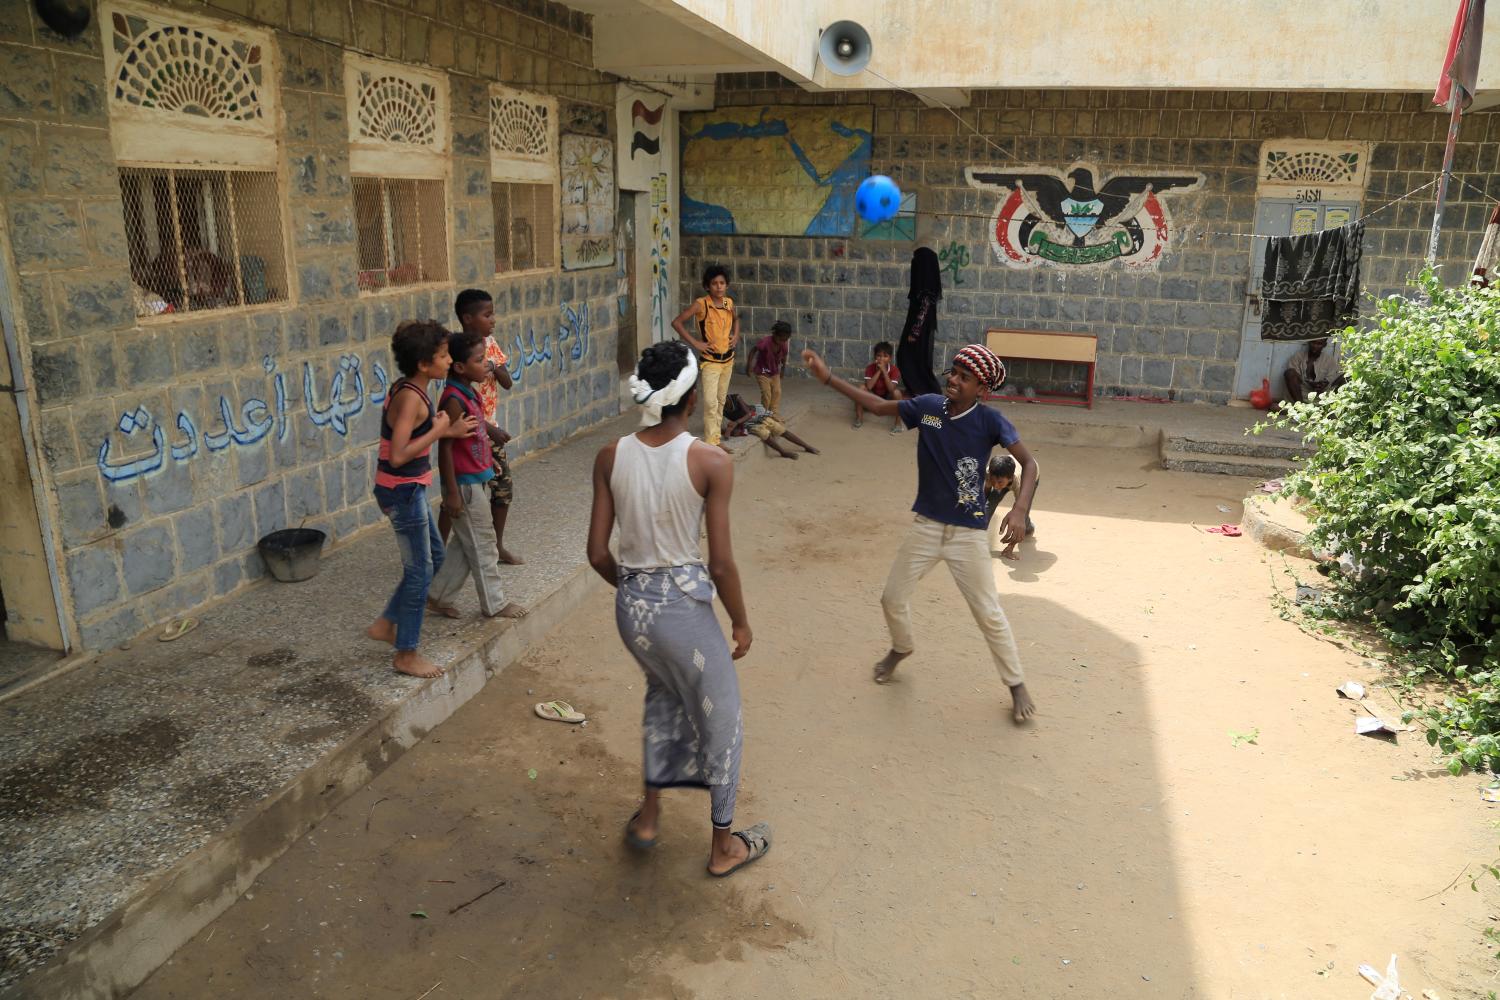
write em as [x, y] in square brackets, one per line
[292, 554]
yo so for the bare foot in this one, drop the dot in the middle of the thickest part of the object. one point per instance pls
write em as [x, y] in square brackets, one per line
[446, 610]
[734, 852]
[511, 610]
[509, 558]
[726, 448]
[887, 666]
[642, 832]
[382, 631]
[789, 454]
[811, 450]
[1024, 707]
[414, 664]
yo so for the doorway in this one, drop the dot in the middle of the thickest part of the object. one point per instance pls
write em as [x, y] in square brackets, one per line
[30, 608]
[1263, 359]
[627, 352]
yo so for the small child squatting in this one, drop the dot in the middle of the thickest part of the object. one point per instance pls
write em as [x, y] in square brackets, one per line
[757, 420]
[883, 379]
[466, 466]
[956, 434]
[999, 479]
[408, 427]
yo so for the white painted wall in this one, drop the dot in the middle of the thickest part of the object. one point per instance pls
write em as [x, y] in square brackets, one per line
[1156, 44]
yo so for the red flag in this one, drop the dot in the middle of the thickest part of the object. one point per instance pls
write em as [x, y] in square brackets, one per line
[1461, 65]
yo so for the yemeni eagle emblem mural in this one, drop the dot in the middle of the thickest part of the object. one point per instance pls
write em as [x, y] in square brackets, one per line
[1071, 219]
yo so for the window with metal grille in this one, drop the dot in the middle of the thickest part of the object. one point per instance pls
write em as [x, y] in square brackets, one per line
[524, 225]
[401, 231]
[203, 239]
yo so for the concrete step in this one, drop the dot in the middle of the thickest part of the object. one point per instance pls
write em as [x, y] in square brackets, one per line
[1280, 448]
[1221, 464]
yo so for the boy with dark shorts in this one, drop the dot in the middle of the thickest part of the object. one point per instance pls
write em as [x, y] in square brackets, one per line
[956, 433]
[476, 313]
[760, 422]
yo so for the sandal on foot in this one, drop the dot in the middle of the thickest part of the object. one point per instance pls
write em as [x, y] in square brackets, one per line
[758, 839]
[558, 711]
[635, 840]
[178, 629]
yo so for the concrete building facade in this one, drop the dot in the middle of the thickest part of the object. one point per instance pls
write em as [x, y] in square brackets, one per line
[1171, 327]
[203, 282]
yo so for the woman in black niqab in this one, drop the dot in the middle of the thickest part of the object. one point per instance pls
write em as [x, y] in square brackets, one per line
[914, 350]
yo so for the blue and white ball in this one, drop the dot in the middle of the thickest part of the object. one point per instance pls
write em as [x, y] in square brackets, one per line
[877, 199]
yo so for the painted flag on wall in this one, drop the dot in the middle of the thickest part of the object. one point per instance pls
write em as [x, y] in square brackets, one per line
[1461, 65]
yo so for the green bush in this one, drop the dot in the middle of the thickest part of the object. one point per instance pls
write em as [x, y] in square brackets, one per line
[1406, 480]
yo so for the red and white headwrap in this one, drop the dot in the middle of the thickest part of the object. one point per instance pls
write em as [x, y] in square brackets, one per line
[984, 363]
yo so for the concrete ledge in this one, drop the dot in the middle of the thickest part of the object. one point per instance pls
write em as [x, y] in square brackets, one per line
[1275, 523]
[117, 955]
[1132, 436]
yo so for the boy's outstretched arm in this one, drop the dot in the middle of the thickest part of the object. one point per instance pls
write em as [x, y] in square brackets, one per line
[870, 401]
[1014, 527]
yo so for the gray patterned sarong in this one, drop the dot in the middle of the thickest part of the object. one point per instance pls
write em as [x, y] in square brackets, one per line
[692, 727]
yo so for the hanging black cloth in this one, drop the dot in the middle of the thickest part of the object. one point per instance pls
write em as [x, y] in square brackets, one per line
[914, 347]
[1310, 284]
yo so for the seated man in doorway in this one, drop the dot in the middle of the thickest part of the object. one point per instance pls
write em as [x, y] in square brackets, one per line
[1315, 368]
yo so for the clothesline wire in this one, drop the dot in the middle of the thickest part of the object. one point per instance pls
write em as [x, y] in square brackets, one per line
[1479, 191]
[1362, 218]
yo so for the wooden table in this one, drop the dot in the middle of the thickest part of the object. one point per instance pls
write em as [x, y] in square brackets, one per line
[1048, 345]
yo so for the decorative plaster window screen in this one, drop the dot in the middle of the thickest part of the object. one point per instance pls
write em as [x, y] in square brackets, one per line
[185, 89]
[202, 239]
[398, 118]
[523, 136]
[401, 231]
[524, 179]
[1337, 169]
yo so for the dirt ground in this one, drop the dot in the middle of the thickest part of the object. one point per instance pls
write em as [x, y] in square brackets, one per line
[1123, 845]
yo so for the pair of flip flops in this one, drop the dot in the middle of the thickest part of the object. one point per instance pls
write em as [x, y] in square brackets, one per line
[559, 711]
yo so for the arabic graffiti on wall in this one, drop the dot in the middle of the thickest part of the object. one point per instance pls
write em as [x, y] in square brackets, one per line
[954, 258]
[346, 396]
[573, 326]
[253, 423]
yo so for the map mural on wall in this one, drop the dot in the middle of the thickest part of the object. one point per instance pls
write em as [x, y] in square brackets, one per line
[1079, 218]
[588, 202]
[774, 170]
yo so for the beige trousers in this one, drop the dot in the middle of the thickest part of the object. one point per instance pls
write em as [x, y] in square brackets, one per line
[715, 376]
[967, 553]
[472, 549]
[770, 393]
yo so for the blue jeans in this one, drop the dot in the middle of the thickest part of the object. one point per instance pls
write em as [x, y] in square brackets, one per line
[421, 556]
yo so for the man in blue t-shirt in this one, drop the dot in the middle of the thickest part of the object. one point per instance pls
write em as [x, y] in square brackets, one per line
[956, 433]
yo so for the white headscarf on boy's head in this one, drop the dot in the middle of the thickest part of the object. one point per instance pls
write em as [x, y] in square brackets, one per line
[653, 401]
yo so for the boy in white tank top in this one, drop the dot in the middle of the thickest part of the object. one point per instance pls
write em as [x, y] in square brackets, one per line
[658, 485]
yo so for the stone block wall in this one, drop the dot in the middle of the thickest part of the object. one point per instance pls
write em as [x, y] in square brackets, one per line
[1172, 330]
[145, 544]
